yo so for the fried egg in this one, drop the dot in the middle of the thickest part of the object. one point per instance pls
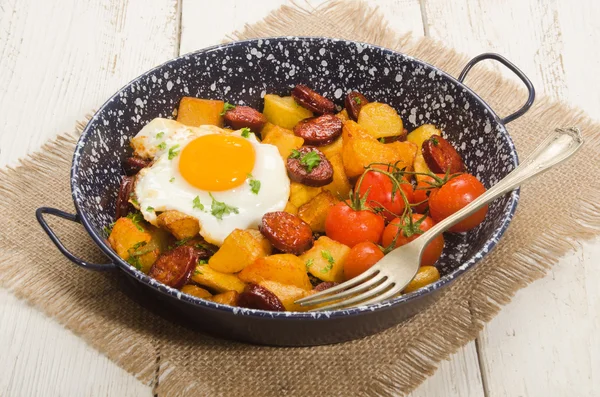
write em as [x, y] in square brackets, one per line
[226, 180]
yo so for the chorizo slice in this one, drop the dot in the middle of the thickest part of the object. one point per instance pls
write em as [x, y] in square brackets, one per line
[174, 267]
[257, 297]
[309, 166]
[133, 165]
[309, 99]
[319, 131]
[245, 117]
[441, 157]
[353, 103]
[286, 232]
[123, 207]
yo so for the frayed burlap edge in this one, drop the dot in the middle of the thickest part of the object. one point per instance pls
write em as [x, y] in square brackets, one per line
[474, 299]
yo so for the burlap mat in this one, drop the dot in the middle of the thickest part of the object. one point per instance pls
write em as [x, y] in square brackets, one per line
[550, 221]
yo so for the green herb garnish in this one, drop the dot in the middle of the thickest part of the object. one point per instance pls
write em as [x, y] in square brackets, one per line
[254, 184]
[327, 255]
[382, 140]
[197, 272]
[160, 135]
[149, 209]
[357, 100]
[295, 154]
[219, 208]
[202, 262]
[172, 180]
[173, 152]
[197, 204]
[310, 160]
[162, 145]
[136, 218]
[309, 263]
[108, 229]
[181, 242]
[227, 107]
[135, 262]
[246, 132]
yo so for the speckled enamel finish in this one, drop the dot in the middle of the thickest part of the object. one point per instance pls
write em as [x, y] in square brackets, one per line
[242, 73]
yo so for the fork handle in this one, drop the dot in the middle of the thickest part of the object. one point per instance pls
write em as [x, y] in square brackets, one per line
[556, 148]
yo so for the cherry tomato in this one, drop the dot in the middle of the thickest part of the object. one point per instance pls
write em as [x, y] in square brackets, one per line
[380, 188]
[422, 191]
[350, 226]
[432, 251]
[455, 195]
[360, 258]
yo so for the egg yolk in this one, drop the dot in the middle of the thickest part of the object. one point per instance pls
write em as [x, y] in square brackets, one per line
[217, 162]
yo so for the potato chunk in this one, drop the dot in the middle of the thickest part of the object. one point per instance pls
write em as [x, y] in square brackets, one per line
[240, 248]
[421, 134]
[426, 275]
[226, 298]
[138, 243]
[287, 294]
[196, 112]
[332, 149]
[283, 268]
[217, 281]
[300, 194]
[196, 291]
[178, 224]
[358, 153]
[291, 208]
[284, 111]
[340, 186]
[380, 119]
[285, 140]
[325, 260]
[315, 211]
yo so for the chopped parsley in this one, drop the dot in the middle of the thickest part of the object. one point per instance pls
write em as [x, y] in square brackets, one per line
[382, 140]
[309, 160]
[202, 262]
[327, 255]
[197, 272]
[309, 263]
[181, 242]
[435, 141]
[162, 145]
[254, 184]
[160, 135]
[135, 262]
[246, 132]
[136, 218]
[219, 208]
[133, 200]
[197, 204]
[149, 209]
[172, 180]
[108, 229]
[227, 107]
[357, 100]
[173, 152]
[204, 246]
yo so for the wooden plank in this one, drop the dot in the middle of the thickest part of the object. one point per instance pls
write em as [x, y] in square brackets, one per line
[546, 341]
[41, 358]
[457, 377]
[59, 60]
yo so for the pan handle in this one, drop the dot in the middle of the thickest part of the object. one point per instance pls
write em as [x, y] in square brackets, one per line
[39, 214]
[515, 70]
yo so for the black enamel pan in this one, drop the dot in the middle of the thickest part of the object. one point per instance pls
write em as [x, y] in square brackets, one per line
[242, 72]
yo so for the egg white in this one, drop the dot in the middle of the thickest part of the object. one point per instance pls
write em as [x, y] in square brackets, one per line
[161, 187]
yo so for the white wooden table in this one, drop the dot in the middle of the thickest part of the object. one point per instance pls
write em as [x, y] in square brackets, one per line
[59, 59]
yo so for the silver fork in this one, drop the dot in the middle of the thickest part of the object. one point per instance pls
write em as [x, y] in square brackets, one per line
[394, 271]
